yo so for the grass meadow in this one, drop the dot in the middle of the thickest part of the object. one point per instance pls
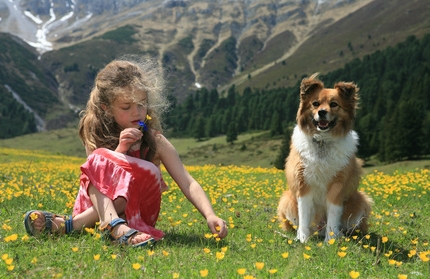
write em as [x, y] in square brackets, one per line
[396, 246]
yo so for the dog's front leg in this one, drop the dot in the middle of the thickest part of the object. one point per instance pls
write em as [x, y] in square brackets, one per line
[306, 215]
[334, 215]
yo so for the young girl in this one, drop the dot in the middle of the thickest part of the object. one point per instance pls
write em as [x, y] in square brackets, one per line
[121, 183]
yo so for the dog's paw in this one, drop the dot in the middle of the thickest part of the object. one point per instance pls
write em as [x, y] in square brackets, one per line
[303, 234]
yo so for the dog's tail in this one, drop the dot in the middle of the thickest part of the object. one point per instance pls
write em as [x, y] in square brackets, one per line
[357, 211]
[367, 202]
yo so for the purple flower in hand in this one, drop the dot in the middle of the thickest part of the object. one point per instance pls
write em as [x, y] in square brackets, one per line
[143, 126]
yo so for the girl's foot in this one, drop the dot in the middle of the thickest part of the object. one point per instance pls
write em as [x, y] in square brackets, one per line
[37, 222]
[120, 233]
[123, 229]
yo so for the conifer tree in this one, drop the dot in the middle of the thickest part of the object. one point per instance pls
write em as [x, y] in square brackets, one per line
[199, 129]
[275, 125]
[231, 133]
[211, 127]
[283, 150]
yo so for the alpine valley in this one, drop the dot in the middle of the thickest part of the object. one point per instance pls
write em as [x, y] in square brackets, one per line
[51, 50]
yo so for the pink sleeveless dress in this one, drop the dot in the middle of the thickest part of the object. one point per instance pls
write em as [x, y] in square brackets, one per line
[117, 175]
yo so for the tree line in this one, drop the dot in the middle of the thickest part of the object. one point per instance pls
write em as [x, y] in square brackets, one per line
[14, 118]
[393, 120]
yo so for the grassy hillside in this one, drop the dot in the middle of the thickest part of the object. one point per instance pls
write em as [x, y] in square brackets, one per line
[252, 149]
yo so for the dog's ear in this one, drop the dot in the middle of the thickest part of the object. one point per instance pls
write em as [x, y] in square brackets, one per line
[348, 90]
[309, 85]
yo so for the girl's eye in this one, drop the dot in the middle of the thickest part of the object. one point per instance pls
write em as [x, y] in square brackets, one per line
[125, 108]
[333, 104]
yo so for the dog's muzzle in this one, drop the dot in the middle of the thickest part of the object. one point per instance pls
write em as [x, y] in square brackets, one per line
[321, 121]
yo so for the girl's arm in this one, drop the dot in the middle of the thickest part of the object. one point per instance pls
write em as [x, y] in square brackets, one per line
[189, 186]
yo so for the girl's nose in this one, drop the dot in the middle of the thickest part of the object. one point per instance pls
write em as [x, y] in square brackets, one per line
[135, 110]
[139, 110]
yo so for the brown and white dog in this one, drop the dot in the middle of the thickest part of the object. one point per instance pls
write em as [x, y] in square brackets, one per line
[322, 170]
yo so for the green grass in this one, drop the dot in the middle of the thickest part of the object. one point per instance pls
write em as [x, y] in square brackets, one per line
[245, 197]
[259, 149]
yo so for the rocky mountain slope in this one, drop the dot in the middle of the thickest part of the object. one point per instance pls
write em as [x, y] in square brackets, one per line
[187, 34]
[216, 44]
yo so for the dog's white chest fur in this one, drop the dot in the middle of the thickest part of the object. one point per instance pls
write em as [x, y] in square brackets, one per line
[323, 156]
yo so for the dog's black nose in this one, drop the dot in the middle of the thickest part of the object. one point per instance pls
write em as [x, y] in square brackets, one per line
[322, 113]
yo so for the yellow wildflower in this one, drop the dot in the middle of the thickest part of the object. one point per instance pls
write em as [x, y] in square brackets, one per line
[259, 265]
[341, 254]
[354, 274]
[204, 272]
[206, 250]
[12, 237]
[136, 266]
[33, 216]
[6, 227]
[219, 255]
[241, 271]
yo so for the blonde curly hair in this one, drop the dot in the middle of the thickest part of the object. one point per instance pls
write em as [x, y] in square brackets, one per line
[97, 127]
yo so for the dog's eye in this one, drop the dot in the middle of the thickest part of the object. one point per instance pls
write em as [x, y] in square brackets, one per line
[333, 104]
[316, 104]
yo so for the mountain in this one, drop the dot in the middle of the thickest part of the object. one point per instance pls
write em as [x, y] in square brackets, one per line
[28, 91]
[215, 44]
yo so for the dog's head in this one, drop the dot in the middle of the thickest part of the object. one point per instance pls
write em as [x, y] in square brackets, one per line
[327, 110]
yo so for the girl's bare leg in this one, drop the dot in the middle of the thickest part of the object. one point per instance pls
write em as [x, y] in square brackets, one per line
[86, 219]
[107, 212]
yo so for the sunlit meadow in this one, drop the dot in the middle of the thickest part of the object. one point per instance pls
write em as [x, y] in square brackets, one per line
[397, 245]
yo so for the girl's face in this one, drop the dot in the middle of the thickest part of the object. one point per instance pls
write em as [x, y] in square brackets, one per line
[128, 111]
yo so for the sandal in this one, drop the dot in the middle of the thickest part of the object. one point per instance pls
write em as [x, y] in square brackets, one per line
[125, 239]
[49, 220]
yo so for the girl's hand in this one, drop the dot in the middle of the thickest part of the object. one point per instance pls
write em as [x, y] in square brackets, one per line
[127, 138]
[217, 226]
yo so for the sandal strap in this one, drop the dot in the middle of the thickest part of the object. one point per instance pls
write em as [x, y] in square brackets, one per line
[68, 223]
[49, 219]
[127, 237]
[115, 222]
